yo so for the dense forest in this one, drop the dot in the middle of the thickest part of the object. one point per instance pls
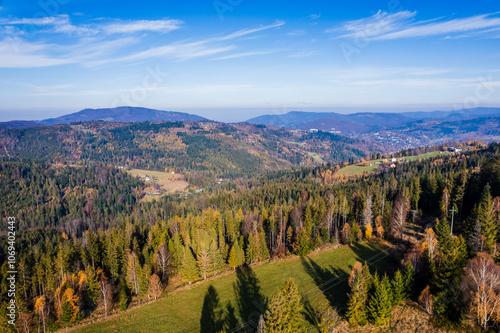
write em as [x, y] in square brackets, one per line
[86, 245]
[208, 150]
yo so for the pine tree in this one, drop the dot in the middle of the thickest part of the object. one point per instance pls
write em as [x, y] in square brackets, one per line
[399, 290]
[486, 215]
[216, 258]
[189, 270]
[234, 259]
[409, 280]
[302, 245]
[252, 248]
[284, 312]
[443, 235]
[263, 251]
[204, 261]
[380, 304]
[356, 306]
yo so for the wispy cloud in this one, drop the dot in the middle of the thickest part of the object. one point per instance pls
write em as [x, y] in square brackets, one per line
[385, 26]
[243, 54]
[162, 26]
[314, 16]
[298, 32]
[248, 31]
[15, 53]
[62, 24]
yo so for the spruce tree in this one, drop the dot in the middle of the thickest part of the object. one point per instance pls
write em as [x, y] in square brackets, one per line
[189, 270]
[284, 311]
[356, 306]
[399, 290]
[252, 248]
[234, 259]
[380, 304]
[216, 258]
[486, 215]
[302, 245]
[409, 280]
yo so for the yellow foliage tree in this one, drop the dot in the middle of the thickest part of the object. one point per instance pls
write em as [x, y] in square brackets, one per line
[369, 231]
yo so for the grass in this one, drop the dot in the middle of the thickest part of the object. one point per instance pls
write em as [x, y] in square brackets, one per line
[169, 182]
[321, 278]
[358, 169]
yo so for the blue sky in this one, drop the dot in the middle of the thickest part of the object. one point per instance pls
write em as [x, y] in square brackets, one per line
[234, 59]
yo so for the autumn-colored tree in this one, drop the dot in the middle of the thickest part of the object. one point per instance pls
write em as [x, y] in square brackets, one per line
[155, 287]
[482, 280]
[346, 234]
[430, 243]
[204, 260]
[368, 231]
[41, 310]
[234, 259]
[70, 307]
[189, 269]
[426, 300]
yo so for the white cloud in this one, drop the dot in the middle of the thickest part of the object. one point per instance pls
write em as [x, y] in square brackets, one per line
[248, 31]
[243, 54]
[385, 26]
[315, 16]
[162, 26]
[375, 25]
[15, 53]
[299, 32]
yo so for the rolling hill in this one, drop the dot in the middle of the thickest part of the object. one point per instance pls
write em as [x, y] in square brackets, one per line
[120, 114]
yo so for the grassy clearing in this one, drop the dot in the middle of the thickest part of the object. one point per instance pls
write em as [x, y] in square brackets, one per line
[321, 278]
[168, 182]
[358, 169]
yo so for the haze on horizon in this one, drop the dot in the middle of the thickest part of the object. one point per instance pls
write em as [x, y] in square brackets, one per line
[230, 61]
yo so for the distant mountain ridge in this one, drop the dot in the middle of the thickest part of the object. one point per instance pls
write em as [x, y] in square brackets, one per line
[367, 121]
[119, 114]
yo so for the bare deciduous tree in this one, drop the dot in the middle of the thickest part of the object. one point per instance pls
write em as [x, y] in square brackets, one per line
[482, 280]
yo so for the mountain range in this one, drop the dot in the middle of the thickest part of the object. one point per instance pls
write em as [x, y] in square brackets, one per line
[358, 123]
[126, 114]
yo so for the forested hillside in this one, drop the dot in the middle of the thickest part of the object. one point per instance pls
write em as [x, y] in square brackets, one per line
[209, 150]
[92, 248]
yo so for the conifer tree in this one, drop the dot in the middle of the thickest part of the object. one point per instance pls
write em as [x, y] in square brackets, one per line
[284, 312]
[204, 261]
[216, 258]
[380, 304]
[409, 280]
[133, 271]
[234, 259]
[356, 306]
[189, 269]
[486, 215]
[155, 287]
[399, 290]
[302, 245]
[263, 251]
[252, 248]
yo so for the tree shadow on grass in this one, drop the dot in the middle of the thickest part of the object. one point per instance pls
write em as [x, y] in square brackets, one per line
[212, 314]
[251, 303]
[331, 281]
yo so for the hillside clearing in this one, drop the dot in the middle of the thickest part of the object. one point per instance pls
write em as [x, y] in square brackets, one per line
[168, 183]
[238, 295]
[358, 169]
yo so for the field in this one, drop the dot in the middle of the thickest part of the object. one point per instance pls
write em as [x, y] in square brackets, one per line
[168, 182]
[321, 278]
[358, 169]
